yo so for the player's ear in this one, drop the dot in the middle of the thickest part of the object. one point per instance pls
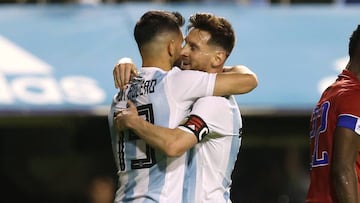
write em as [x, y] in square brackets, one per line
[171, 47]
[219, 58]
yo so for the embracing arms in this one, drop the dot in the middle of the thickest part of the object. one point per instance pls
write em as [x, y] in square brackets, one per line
[172, 142]
[234, 80]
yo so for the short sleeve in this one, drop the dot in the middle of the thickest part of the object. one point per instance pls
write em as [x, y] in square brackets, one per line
[190, 85]
[219, 114]
[349, 121]
[349, 111]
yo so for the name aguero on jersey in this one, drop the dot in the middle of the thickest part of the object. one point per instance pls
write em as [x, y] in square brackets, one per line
[143, 87]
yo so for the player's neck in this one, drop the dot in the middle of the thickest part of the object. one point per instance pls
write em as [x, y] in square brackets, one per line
[158, 62]
[354, 67]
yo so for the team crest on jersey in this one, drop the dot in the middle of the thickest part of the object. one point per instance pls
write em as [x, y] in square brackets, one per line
[197, 125]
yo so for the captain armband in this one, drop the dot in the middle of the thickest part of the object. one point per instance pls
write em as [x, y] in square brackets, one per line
[197, 126]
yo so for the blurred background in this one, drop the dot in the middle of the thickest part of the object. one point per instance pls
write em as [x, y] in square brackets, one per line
[56, 86]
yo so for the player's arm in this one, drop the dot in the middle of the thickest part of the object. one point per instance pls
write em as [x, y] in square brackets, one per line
[345, 152]
[173, 142]
[235, 80]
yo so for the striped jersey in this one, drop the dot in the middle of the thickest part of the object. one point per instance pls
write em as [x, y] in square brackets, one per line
[337, 107]
[164, 99]
[211, 162]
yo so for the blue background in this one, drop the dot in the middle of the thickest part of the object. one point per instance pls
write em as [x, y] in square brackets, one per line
[290, 48]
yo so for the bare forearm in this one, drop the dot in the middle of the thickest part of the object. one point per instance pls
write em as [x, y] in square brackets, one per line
[236, 84]
[239, 80]
[238, 69]
[345, 184]
[169, 141]
[149, 133]
[343, 172]
[173, 142]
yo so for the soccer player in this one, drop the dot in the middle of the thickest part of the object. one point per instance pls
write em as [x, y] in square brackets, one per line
[335, 136]
[163, 95]
[214, 122]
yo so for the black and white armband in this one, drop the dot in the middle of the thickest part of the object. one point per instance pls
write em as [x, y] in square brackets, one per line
[195, 125]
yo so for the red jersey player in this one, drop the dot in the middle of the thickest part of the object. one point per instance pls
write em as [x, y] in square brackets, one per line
[335, 136]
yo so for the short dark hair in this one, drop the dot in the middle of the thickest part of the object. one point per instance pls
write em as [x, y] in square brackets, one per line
[354, 46]
[222, 33]
[154, 22]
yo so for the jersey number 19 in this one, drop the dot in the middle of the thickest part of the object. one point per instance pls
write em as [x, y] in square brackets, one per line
[145, 111]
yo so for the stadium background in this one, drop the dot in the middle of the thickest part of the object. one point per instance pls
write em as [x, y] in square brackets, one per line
[56, 85]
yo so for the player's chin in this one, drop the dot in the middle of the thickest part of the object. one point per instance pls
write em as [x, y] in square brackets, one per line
[186, 66]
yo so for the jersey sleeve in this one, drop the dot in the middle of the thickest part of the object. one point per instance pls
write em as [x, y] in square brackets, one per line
[190, 85]
[219, 114]
[349, 112]
[349, 121]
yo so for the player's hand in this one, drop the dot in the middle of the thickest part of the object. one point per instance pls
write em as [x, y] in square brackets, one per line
[125, 118]
[123, 71]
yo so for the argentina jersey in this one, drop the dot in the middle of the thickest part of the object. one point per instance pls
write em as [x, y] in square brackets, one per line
[146, 174]
[211, 161]
[141, 169]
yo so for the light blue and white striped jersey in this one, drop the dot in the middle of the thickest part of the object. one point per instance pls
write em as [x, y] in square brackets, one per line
[212, 160]
[164, 99]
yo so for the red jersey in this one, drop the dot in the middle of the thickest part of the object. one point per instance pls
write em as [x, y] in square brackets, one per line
[339, 105]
